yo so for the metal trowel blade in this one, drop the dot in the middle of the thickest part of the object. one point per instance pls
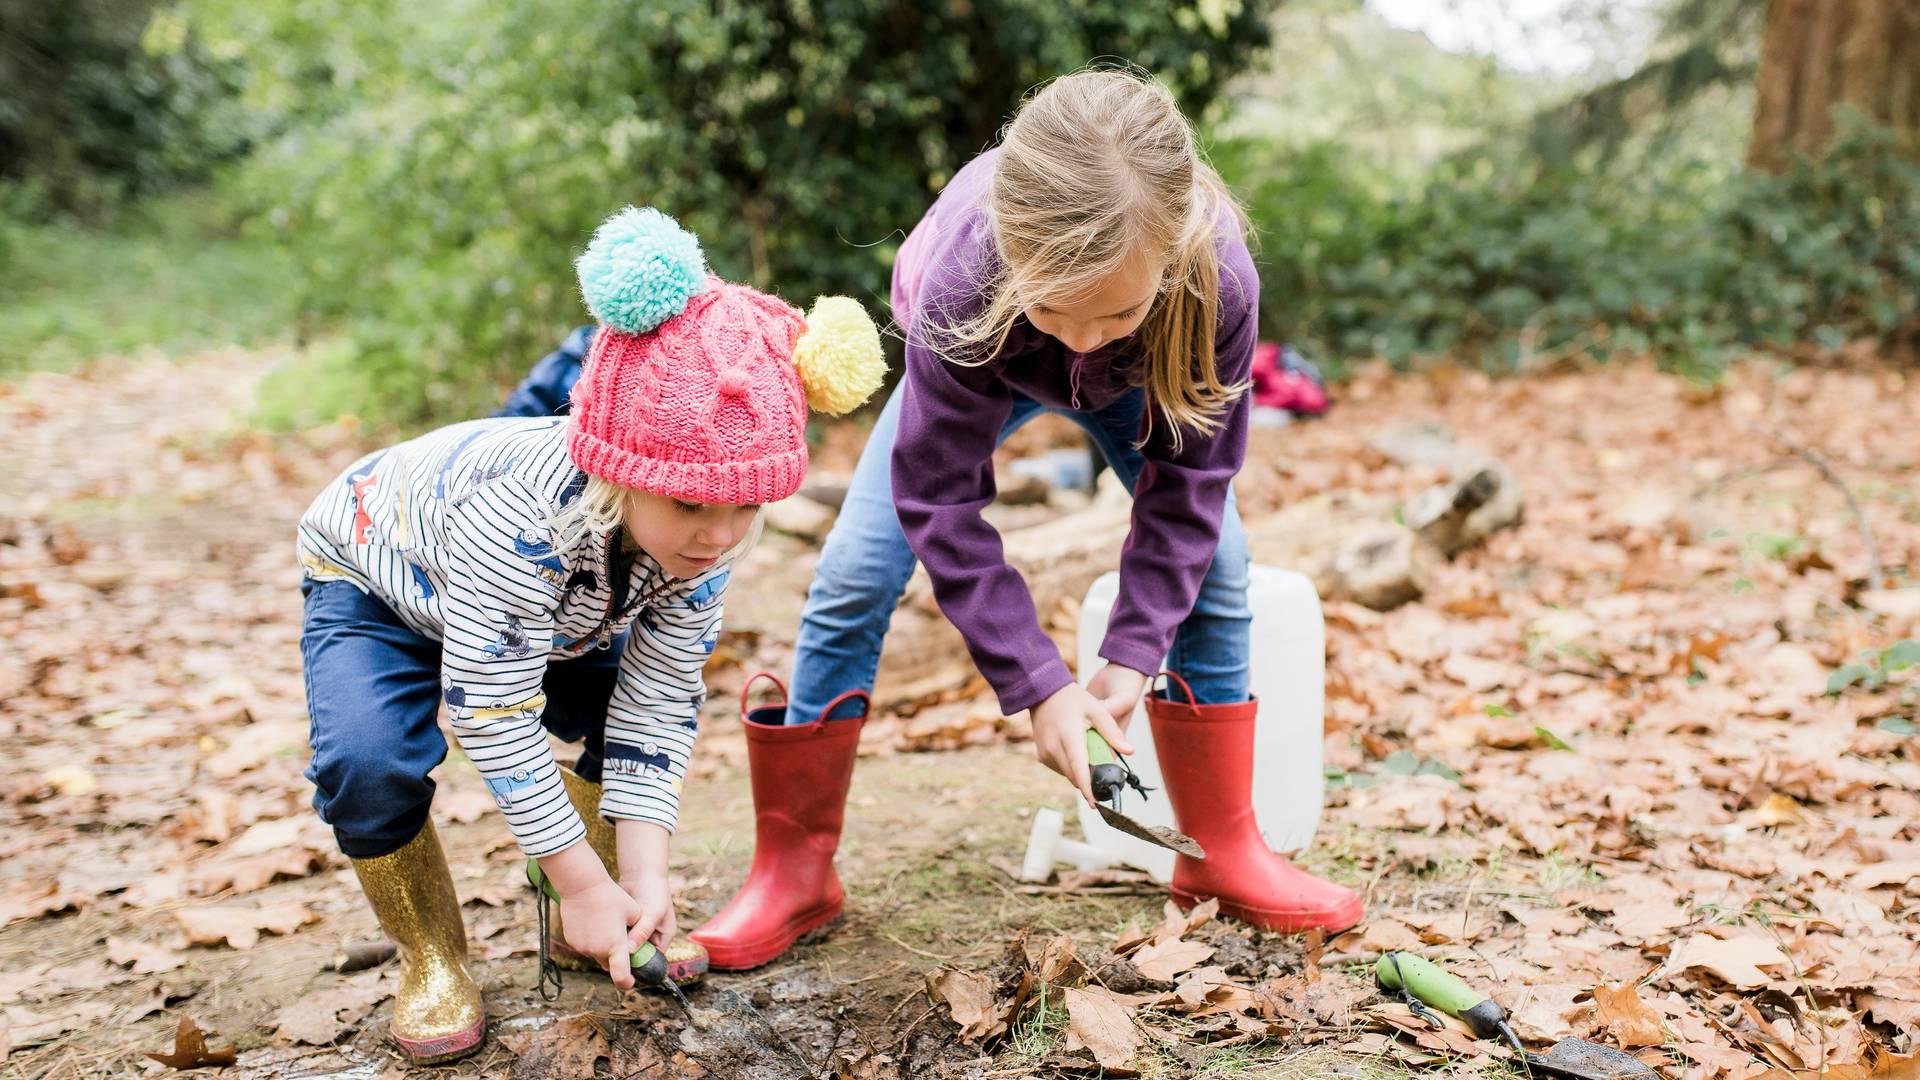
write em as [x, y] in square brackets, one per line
[1153, 834]
[1579, 1059]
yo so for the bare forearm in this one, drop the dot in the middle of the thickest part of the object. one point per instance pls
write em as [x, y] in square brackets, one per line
[643, 849]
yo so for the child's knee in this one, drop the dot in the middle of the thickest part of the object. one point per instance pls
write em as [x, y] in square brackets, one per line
[374, 802]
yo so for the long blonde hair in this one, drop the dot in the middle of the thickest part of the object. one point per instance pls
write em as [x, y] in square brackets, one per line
[1097, 168]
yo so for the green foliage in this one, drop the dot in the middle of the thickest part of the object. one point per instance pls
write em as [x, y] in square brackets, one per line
[1400, 763]
[171, 275]
[1872, 669]
[103, 99]
[1507, 265]
[435, 191]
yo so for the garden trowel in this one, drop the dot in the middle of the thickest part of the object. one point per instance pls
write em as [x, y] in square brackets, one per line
[1421, 982]
[1110, 777]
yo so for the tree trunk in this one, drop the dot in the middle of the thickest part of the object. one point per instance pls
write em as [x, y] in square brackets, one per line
[1819, 54]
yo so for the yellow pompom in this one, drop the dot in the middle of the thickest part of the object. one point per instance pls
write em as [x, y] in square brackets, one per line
[839, 356]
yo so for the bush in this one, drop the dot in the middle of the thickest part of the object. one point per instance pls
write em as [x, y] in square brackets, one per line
[436, 207]
[1501, 264]
[103, 99]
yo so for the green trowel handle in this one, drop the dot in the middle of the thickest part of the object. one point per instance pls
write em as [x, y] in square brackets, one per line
[649, 964]
[1108, 773]
[1435, 986]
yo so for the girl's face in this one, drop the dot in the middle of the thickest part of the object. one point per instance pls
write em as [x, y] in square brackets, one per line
[686, 538]
[1111, 308]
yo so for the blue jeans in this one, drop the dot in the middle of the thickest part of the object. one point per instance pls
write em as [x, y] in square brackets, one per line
[866, 562]
[373, 698]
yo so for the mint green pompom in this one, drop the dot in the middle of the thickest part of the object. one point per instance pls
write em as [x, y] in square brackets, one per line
[640, 270]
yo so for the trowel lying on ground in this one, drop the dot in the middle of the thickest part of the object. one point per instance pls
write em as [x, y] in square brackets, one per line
[1110, 777]
[1421, 982]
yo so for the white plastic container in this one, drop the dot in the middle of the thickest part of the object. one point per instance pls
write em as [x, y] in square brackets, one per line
[1289, 678]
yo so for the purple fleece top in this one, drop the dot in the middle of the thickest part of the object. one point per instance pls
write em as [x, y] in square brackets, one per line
[952, 414]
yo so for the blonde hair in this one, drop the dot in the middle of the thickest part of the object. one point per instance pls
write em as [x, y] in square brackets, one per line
[1097, 168]
[602, 508]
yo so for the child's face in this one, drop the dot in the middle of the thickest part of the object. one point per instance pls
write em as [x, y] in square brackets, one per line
[686, 538]
[1112, 308]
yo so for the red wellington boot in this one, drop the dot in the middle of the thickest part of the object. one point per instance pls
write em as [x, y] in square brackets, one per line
[800, 779]
[1206, 759]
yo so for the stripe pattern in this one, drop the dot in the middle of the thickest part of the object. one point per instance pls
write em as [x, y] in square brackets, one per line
[451, 530]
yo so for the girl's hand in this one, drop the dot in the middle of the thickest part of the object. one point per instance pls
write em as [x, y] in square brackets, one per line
[643, 874]
[1060, 726]
[1119, 688]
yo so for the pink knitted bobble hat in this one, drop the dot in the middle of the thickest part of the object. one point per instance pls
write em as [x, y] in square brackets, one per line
[695, 388]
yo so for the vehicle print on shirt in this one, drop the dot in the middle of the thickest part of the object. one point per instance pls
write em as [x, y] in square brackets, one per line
[455, 696]
[708, 591]
[506, 789]
[533, 545]
[422, 584]
[361, 483]
[646, 761]
[513, 641]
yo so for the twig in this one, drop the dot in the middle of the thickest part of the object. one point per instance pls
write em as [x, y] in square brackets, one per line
[909, 1031]
[360, 955]
[918, 952]
[1813, 1006]
[1853, 504]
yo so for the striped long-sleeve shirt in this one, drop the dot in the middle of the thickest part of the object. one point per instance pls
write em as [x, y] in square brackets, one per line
[452, 531]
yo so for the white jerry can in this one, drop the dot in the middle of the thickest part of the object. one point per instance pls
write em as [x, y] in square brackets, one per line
[1289, 679]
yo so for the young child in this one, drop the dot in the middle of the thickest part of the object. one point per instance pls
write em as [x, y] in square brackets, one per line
[562, 574]
[1092, 266]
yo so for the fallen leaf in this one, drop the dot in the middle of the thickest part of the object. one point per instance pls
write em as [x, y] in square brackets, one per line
[268, 836]
[1101, 1026]
[1545, 1011]
[241, 926]
[1893, 603]
[1056, 963]
[969, 997]
[143, 957]
[1480, 674]
[190, 1049]
[251, 873]
[41, 899]
[1626, 1017]
[1176, 924]
[1735, 961]
[1163, 960]
[319, 1019]
[1890, 872]
[463, 803]
[563, 1050]
[28, 1028]
[1778, 810]
[213, 819]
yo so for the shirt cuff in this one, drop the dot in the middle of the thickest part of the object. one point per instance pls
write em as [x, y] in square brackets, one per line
[1037, 687]
[1141, 657]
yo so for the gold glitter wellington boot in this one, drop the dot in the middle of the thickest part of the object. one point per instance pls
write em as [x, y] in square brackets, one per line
[438, 1014]
[686, 960]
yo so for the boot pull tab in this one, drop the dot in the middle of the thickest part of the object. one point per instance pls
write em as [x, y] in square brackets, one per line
[1174, 676]
[770, 677]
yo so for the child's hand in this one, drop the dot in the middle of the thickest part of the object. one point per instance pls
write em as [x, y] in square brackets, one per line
[1060, 726]
[1119, 688]
[655, 897]
[600, 922]
[643, 874]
